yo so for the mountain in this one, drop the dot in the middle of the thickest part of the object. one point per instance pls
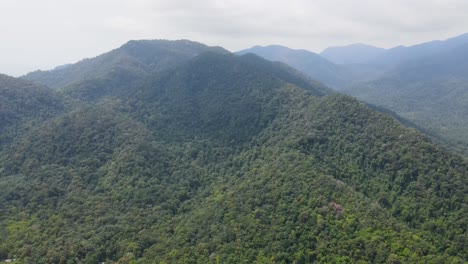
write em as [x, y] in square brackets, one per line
[228, 158]
[400, 54]
[214, 109]
[316, 67]
[305, 61]
[431, 91]
[351, 54]
[129, 63]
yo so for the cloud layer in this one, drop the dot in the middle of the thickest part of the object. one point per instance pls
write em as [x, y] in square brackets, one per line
[44, 34]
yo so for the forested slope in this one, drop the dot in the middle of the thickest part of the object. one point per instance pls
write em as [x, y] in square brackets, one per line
[23, 100]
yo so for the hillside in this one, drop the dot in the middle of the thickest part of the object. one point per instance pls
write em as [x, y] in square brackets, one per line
[228, 159]
[22, 100]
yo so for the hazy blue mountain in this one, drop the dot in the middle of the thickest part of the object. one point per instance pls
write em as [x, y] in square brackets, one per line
[400, 54]
[305, 61]
[351, 54]
[431, 91]
[452, 63]
[317, 67]
[131, 63]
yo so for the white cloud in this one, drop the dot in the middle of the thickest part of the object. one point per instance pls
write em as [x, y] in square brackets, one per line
[43, 34]
[124, 24]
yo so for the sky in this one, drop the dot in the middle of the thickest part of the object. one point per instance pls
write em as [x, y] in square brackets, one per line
[47, 33]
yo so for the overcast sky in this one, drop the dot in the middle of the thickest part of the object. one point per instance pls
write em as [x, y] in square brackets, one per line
[41, 34]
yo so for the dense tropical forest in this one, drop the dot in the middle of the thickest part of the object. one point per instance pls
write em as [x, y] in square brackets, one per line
[176, 152]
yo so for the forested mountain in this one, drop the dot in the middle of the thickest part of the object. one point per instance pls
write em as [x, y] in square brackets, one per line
[129, 63]
[351, 54]
[431, 91]
[227, 159]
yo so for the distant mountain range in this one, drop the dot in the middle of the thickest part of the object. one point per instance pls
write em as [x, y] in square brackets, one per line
[305, 61]
[425, 83]
[315, 66]
[431, 91]
[365, 54]
[177, 152]
[401, 54]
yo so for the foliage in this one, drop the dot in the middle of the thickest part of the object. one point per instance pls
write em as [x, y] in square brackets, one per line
[228, 159]
[22, 100]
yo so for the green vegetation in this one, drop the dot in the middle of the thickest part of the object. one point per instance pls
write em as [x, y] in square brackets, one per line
[22, 100]
[227, 159]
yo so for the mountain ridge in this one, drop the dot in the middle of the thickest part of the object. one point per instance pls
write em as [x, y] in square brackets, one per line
[140, 56]
[400, 54]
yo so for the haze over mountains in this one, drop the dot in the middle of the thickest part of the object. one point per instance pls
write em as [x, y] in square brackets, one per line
[351, 54]
[401, 53]
[177, 152]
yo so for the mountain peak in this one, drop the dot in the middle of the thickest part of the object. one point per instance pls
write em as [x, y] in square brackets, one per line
[140, 57]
